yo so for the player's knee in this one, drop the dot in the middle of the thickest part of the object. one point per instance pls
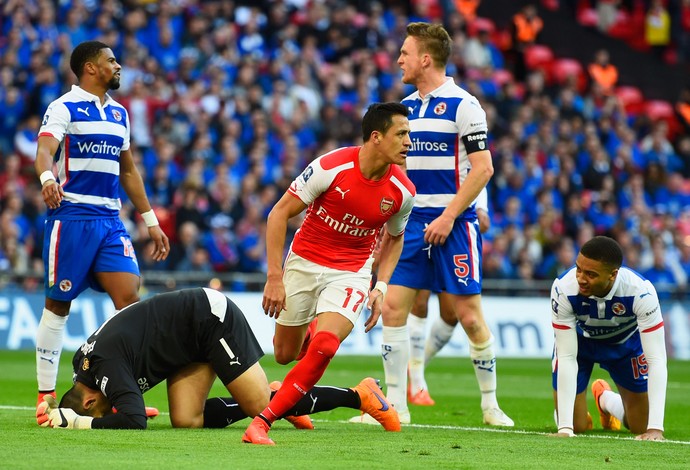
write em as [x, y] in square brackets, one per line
[284, 354]
[420, 310]
[471, 324]
[57, 307]
[187, 421]
[255, 406]
[393, 316]
[254, 403]
[123, 300]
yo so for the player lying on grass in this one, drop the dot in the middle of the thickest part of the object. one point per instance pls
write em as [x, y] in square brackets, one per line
[606, 313]
[187, 337]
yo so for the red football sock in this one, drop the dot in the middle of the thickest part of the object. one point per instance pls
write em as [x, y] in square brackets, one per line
[304, 375]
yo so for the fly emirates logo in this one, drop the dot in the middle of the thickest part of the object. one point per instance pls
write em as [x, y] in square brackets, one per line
[349, 225]
[99, 148]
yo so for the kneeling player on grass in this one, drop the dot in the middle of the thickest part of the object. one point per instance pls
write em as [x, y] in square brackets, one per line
[606, 313]
[187, 337]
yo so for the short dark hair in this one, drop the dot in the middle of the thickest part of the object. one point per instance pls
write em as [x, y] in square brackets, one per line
[603, 249]
[379, 117]
[85, 52]
[73, 399]
[433, 39]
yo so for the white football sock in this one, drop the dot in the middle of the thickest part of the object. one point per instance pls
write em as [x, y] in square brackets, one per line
[440, 334]
[395, 351]
[612, 403]
[417, 328]
[49, 336]
[484, 361]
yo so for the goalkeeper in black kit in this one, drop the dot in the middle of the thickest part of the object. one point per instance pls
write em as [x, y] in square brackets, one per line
[187, 337]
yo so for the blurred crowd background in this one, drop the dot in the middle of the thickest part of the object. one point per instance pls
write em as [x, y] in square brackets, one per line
[230, 100]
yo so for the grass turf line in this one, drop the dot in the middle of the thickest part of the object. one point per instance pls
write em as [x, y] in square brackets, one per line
[448, 435]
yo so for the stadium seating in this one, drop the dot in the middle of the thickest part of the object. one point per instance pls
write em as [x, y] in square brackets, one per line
[538, 56]
[564, 68]
[481, 24]
[631, 98]
[502, 76]
[588, 17]
[659, 109]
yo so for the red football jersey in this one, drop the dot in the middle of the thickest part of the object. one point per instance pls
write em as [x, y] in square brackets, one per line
[346, 210]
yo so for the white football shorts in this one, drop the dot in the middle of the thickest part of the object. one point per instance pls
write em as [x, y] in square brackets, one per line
[312, 289]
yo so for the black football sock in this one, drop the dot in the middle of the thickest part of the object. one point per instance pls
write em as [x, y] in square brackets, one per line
[220, 412]
[325, 398]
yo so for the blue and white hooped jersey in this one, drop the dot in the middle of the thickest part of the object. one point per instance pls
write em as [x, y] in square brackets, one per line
[632, 303]
[88, 160]
[442, 125]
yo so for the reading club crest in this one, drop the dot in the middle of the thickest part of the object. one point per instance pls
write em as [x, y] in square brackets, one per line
[386, 205]
[65, 285]
[618, 308]
[117, 115]
[440, 109]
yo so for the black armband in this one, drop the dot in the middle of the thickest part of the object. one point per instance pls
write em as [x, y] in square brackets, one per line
[475, 142]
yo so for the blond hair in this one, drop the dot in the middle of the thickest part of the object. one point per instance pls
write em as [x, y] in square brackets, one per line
[433, 39]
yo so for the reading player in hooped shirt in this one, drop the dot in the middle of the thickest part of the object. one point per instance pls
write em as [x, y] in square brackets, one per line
[605, 313]
[349, 194]
[449, 164]
[85, 135]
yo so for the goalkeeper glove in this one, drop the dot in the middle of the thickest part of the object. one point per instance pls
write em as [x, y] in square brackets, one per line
[43, 410]
[67, 418]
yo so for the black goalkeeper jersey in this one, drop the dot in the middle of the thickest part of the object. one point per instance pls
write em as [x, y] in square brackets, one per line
[147, 342]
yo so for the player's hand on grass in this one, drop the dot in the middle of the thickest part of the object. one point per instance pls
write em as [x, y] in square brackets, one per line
[563, 432]
[43, 410]
[651, 435]
[66, 418]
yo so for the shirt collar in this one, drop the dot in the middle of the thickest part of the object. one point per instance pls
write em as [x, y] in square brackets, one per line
[614, 288]
[76, 89]
[448, 83]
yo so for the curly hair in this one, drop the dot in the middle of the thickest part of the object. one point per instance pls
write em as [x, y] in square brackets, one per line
[603, 249]
[85, 52]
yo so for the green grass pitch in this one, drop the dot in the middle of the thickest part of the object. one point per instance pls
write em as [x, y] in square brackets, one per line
[448, 435]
